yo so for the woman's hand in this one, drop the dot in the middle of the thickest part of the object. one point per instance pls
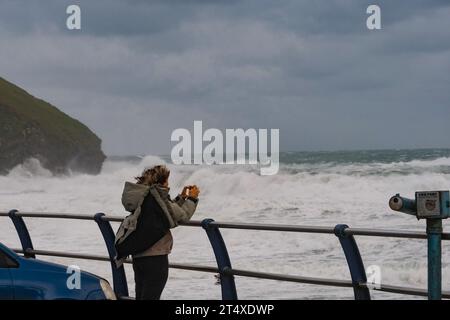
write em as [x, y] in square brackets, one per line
[184, 193]
[190, 191]
[194, 191]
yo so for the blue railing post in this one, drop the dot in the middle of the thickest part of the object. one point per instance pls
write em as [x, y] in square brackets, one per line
[354, 261]
[223, 260]
[22, 231]
[434, 235]
[118, 273]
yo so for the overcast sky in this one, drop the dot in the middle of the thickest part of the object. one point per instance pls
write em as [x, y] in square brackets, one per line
[139, 69]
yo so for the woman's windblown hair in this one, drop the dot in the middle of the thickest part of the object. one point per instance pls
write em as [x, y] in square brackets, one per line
[157, 174]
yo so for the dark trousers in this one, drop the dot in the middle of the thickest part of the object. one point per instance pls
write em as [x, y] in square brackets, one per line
[150, 276]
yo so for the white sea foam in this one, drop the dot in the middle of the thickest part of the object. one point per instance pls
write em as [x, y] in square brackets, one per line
[304, 194]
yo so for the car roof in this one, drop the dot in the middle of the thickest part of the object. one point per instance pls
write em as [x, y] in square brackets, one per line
[40, 262]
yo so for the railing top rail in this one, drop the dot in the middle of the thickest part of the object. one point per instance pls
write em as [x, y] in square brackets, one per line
[252, 226]
[53, 215]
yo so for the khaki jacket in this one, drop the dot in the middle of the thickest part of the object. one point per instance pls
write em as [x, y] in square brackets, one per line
[176, 211]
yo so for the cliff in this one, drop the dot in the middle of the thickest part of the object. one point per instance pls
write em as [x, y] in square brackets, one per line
[33, 128]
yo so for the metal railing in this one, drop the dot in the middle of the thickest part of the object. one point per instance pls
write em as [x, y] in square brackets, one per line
[344, 233]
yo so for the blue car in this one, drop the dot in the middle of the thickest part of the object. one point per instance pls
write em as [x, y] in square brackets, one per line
[33, 279]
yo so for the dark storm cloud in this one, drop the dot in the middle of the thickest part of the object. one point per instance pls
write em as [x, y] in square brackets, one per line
[139, 69]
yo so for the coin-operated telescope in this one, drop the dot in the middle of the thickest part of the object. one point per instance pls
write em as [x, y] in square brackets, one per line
[432, 206]
[427, 205]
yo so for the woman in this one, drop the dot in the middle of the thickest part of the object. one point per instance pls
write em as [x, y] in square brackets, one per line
[151, 266]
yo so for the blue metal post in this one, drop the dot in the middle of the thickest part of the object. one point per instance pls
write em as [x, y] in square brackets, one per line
[354, 261]
[22, 231]
[119, 276]
[223, 260]
[434, 235]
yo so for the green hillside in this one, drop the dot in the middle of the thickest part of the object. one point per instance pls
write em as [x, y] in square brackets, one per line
[33, 128]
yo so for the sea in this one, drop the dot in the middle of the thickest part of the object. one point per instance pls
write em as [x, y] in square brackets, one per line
[310, 189]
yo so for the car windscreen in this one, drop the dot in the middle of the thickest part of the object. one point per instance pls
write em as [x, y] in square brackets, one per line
[6, 261]
[3, 263]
